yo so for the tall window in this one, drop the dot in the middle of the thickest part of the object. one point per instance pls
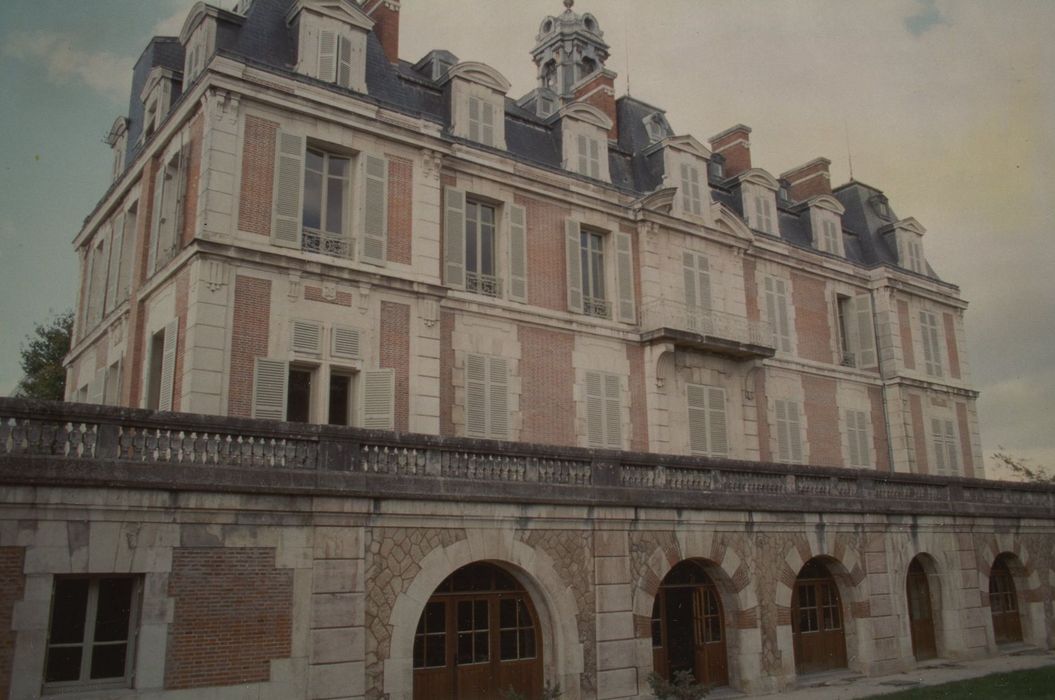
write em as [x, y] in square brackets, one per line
[691, 200]
[589, 162]
[604, 417]
[789, 431]
[931, 345]
[707, 422]
[591, 252]
[480, 272]
[946, 454]
[326, 187]
[856, 331]
[857, 438]
[777, 312]
[764, 212]
[697, 278]
[482, 121]
[170, 191]
[911, 252]
[829, 237]
[486, 397]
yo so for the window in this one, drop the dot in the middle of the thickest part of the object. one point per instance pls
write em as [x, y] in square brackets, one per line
[170, 191]
[717, 168]
[777, 312]
[430, 639]
[829, 240]
[97, 281]
[325, 212]
[341, 59]
[481, 121]
[946, 454]
[486, 397]
[857, 331]
[298, 395]
[857, 438]
[697, 277]
[480, 273]
[150, 120]
[588, 275]
[92, 630]
[161, 367]
[691, 201]
[763, 213]
[789, 431]
[112, 383]
[291, 392]
[589, 160]
[591, 252]
[604, 417]
[474, 250]
[931, 344]
[707, 421]
[912, 253]
[516, 632]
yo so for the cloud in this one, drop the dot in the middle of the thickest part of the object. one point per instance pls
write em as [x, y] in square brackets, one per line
[926, 18]
[101, 71]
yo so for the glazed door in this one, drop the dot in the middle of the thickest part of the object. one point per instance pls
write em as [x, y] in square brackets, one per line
[472, 652]
[712, 667]
[680, 641]
[817, 629]
[1007, 625]
[921, 618]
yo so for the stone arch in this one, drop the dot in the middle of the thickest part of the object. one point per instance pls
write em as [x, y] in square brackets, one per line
[563, 656]
[1028, 585]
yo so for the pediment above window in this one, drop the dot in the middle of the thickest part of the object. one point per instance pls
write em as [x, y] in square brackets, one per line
[341, 10]
[725, 219]
[199, 12]
[822, 201]
[580, 111]
[158, 76]
[481, 74]
[683, 144]
[909, 225]
[661, 201]
[119, 129]
[757, 176]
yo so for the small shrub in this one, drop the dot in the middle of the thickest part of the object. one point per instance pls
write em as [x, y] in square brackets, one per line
[683, 687]
[551, 691]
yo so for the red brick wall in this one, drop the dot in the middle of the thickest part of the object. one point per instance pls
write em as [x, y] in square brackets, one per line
[765, 454]
[905, 326]
[400, 209]
[880, 439]
[635, 354]
[182, 299]
[547, 266]
[136, 316]
[547, 378]
[600, 93]
[233, 613]
[446, 368]
[258, 176]
[965, 439]
[950, 342]
[809, 181]
[915, 405]
[812, 327]
[737, 155]
[395, 354]
[146, 219]
[315, 294]
[754, 313]
[822, 421]
[190, 200]
[386, 28]
[249, 339]
[12, 588]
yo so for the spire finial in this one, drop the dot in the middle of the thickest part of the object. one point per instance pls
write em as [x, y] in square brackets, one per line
[568, 3]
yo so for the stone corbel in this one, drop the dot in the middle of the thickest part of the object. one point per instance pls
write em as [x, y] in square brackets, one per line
[294, 286]
[432, 163]
[430, 312]
[214, 275]
[364, 297]
[329, 291]
[222, 104]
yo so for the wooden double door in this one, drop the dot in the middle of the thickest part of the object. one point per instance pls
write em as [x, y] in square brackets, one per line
[816, 621]
[477, 639]
[920, 613]
[688, 629]
[1003, 603]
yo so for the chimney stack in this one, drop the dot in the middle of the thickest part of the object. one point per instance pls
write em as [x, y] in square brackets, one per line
[598, 90]
[735, 146]
[809, 180]
[385, 14]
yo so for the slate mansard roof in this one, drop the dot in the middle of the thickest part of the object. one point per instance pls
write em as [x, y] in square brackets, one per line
[263, 39]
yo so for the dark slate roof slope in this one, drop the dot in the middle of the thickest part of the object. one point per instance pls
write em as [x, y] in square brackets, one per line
[164, 51]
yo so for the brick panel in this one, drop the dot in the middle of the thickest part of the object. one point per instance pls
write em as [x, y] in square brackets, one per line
[547, 379]
[12, 588]
[232, 614]
[395, 354]
[145, 221]
[136, 314]
[950, 343]
[547, 266]
[249, 339]
[964, 429]
[905, 326]
[446, 367]
[182, 295]
[812, 326]
[822, 421]
[600, 93]
[400, 209]
[635, 355]
[880, 439]
[258, 175]
[190, 200]
[915, 407]
[754, 313]
[765, 453]
[315, 294]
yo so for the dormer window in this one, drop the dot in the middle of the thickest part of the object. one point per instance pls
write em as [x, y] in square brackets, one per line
[784, 195]
[118, 140]
[589, 161]
[157, 96]
[331, 41]
[716, 168]
[908, 240]
[481, 121]
[657, 127]
[691, 199]
[911, 253]
[584, 140]
[826, 223]
[881, 206]
[477, 94]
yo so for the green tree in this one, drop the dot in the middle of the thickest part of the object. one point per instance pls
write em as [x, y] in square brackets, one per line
[1021, 468]
[44, 377]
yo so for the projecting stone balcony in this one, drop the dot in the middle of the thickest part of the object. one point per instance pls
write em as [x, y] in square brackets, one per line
[56, 444]
[706, 330]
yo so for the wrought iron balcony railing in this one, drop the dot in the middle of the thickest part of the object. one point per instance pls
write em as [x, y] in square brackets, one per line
[313, 241]
[600, 308]
[479, 283]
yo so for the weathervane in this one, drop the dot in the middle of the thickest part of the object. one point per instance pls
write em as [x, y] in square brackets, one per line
[569, 3]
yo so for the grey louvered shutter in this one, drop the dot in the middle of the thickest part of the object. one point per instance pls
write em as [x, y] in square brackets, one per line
[697, 400]
[270, 384]
[156, 220]
[624, 272]
[783, 438]
[950, 441]
[488, 124]
[613, 414]
[688, 268]
[594, 409]
[179, 215]
[97, 389]
[344, 62]
[862, 435]
[794, 431]
[327, 56]
[595, 158]
[686, 193]
[127, 254]
[305, 337]
[866, 338]
[851, 438]
[717, 431]
[517, 253]
[474, 119]
[454, 238]
[498, 398]
[584, 157]
[345, 342]
[168, 366]
[375, 210]
[114, 268]
[475, 395]
[288, 197]
[938, 438]
[697, 198]
[572, 246]
[378, 407]
[780, 288]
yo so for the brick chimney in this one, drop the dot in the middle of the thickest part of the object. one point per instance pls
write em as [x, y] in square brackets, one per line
[598, 90]
[385, 14]
[735, 146]
[809, 180]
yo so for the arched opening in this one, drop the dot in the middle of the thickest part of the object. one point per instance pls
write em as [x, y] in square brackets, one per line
[1003, 603]
[817, 620]
[688, 626]
[477, 638]
[920, 612]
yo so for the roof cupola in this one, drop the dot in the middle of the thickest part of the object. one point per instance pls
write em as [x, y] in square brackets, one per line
[568, 48]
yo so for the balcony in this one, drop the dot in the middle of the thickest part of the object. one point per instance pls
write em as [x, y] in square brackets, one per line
[479, 283]
[706, 330]
[313, 241]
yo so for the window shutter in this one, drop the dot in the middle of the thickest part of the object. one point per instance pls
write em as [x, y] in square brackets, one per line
[98, 298]
[128, 240]
[717, 433]
[498, 399]
[97, 390]
[488, 124]
[289, 191]
[344, 342]
[613, 414]
[114, 269]
[686, 194]
[168, 366]
[624, 271]
[759, 215]
[475, 395]
[862, 436]
[769, 215]
[594, 409]
[688, 267]
[379, 399]
[584, 158]
[179, 218]
[698, 434]
[595, 159]
[865, 331]
[344, 62]
[950, 443]
[851, 438]
[517, 253]
[375, 210]
[781, 288]
[155, 226]
[112, 394]
[572, 233]
[794, 431]
[327, 56]
[931, 345]
[783, 439]
[305, 337]
[697, 198]
[474, 119]
[454, 238]
[939, 445]
[270, 383]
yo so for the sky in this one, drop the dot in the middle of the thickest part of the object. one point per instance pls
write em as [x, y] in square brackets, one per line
[946, 105]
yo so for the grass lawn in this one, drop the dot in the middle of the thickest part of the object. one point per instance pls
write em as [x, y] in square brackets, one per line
[1035, 683]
